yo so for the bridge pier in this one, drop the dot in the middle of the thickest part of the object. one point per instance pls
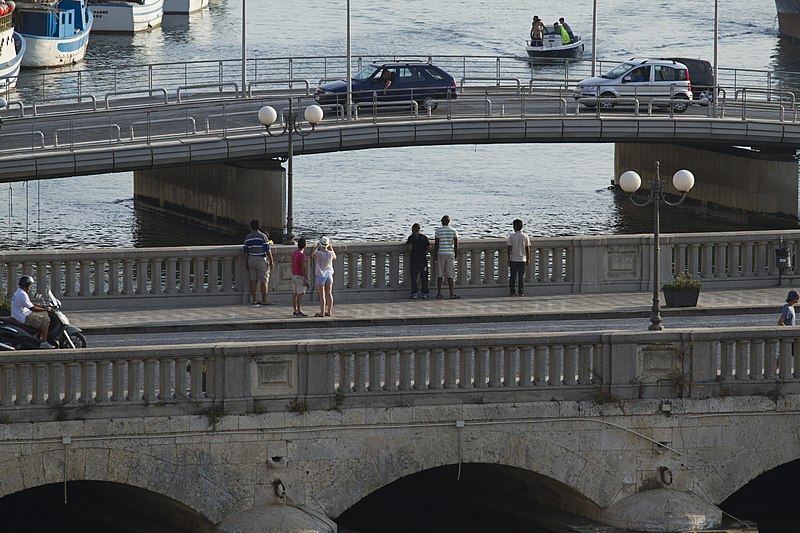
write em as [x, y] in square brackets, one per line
[223, 197]
[277, 518]
[743, 183]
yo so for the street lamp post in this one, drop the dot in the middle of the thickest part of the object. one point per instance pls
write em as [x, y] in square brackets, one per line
[267, 117]
[630, 181]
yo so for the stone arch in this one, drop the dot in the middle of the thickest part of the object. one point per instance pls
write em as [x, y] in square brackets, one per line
[763, 452]
[588, 481]
[197, 487]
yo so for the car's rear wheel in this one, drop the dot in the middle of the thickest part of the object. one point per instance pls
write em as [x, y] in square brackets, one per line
[706, 96]
[607, 100]
[680, 104]
[429, 102]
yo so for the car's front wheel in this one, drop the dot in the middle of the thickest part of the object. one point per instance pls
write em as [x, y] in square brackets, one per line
[680, 103]
[607, 100]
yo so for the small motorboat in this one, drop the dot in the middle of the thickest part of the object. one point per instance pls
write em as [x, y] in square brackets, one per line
[551, 47]
[56, 31]
[126, 16]
[12, 48]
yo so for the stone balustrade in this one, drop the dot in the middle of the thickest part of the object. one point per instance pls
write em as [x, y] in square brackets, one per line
[299, 375]
[215, 274]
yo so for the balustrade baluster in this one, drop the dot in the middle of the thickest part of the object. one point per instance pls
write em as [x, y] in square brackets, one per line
[54, 370]
[86, 381]
[226, 283]
[540, 362]
[376, 357]
[367, 271]
[502, 267]
[525, 366]
[181, 387]
[510, 366]
[113, 277]
[394, 270]
[352, 271]
[757, 359]
[346, 363]
[196, 378]
[437, 369]
[598, 372]
[475, 270]
[41, 274]
[558, 265]
[13, 274]
[481, 368]
[771, 359]
[157, 272]
[23, 377]
[467, 368]
[796, 359]
[585, 364]
[170, 281]
[488, 266]
[451, 368]
[213, 284]
[127, 276]
[71, 381]
[707, 251]
[380, 270]
[747, 260]
[360, 371]
[556, 357]
[406, 369]
[679, 258]
[6, 375]
[421, 369]
[571, 365]
[102, 370]
[390, 367]
[57, 281]
[785, 360]
[762, 259]
[198, 281]
[118, 380]
[165, 367]
[540, 268]
[693, 260]
[495, 366]
[149, 394]
[134, 378]
[38, 383]
[720, 255]
[185, 275]
[734, 250]
[70, 279]
[97, 277]
[742, 359]
[727, 360]
[461, 268]
[85, 288]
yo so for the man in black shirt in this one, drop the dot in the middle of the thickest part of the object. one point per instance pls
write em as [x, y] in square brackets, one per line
[419, 246]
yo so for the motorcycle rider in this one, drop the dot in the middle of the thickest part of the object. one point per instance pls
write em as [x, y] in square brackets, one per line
[28, 313]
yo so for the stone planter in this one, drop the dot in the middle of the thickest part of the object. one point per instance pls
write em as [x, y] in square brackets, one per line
[686, 298]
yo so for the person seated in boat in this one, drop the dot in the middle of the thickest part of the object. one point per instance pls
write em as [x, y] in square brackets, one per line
[569, 30]
[559, 30]
[537, 31]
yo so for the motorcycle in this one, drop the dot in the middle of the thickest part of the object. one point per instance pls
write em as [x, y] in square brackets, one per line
[61, 334]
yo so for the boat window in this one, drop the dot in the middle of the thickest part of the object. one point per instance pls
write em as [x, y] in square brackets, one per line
[618, 71]
[366, 72]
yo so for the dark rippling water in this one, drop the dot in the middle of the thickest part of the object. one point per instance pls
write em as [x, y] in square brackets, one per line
[377, 194]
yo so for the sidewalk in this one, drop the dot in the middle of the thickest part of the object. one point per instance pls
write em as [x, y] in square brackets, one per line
[406, 311]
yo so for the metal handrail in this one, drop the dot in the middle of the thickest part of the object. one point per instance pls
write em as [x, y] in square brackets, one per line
[72, 130]
[496, 79]
[161, 121]
[273, 82]
[137, 91]
[79, 98]
[219, 86]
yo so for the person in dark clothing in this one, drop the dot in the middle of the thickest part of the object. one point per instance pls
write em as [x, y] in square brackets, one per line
[418, 245]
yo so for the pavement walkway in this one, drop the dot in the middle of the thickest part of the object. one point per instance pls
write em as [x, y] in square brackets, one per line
[405, 311]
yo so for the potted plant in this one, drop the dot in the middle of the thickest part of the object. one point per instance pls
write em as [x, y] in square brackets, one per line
[683, 292]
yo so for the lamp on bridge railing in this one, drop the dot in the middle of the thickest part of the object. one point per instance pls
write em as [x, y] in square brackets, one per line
[630, 181]
[267, 116]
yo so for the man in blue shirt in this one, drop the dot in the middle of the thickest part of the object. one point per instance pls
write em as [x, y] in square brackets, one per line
[258, 262]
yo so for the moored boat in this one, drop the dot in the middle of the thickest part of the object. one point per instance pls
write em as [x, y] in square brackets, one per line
[552, 47]
[126, 16]
[183, 7]
[56, 32]
[789, 18]
[12, 48]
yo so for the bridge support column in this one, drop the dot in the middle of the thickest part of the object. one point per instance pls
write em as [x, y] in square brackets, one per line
[743, 183]
[218, 196]
[663, 511]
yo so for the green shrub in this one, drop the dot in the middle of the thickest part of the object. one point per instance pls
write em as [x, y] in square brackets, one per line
[683, 282]
[5, 306]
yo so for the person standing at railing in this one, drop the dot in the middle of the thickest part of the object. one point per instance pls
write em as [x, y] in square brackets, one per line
[787, 317]
[299, 277]
[519, 255]
[324, 256]
[445, 251]
[418, 246]
[258, 262]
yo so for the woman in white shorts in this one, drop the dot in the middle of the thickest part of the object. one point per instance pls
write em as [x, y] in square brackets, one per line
[324, 257]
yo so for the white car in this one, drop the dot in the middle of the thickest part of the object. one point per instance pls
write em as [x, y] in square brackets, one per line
[660, 81]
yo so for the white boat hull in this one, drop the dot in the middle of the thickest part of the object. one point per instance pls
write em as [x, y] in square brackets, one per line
[127, 17]
[184, 7]
[55, 51]
[9, 69]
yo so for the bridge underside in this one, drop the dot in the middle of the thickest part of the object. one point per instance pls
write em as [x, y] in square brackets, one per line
[740, 182]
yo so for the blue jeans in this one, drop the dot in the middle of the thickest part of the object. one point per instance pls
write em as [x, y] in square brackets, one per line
[517, 271]
[422, 271]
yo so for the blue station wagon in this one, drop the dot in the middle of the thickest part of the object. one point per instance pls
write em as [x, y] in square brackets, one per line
[410, 80]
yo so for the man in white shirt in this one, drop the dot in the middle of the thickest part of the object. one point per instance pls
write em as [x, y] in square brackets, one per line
[28, 313]
[519, 255]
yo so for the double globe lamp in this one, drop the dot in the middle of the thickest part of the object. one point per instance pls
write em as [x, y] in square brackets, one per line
[630, 182]
[267, 117]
